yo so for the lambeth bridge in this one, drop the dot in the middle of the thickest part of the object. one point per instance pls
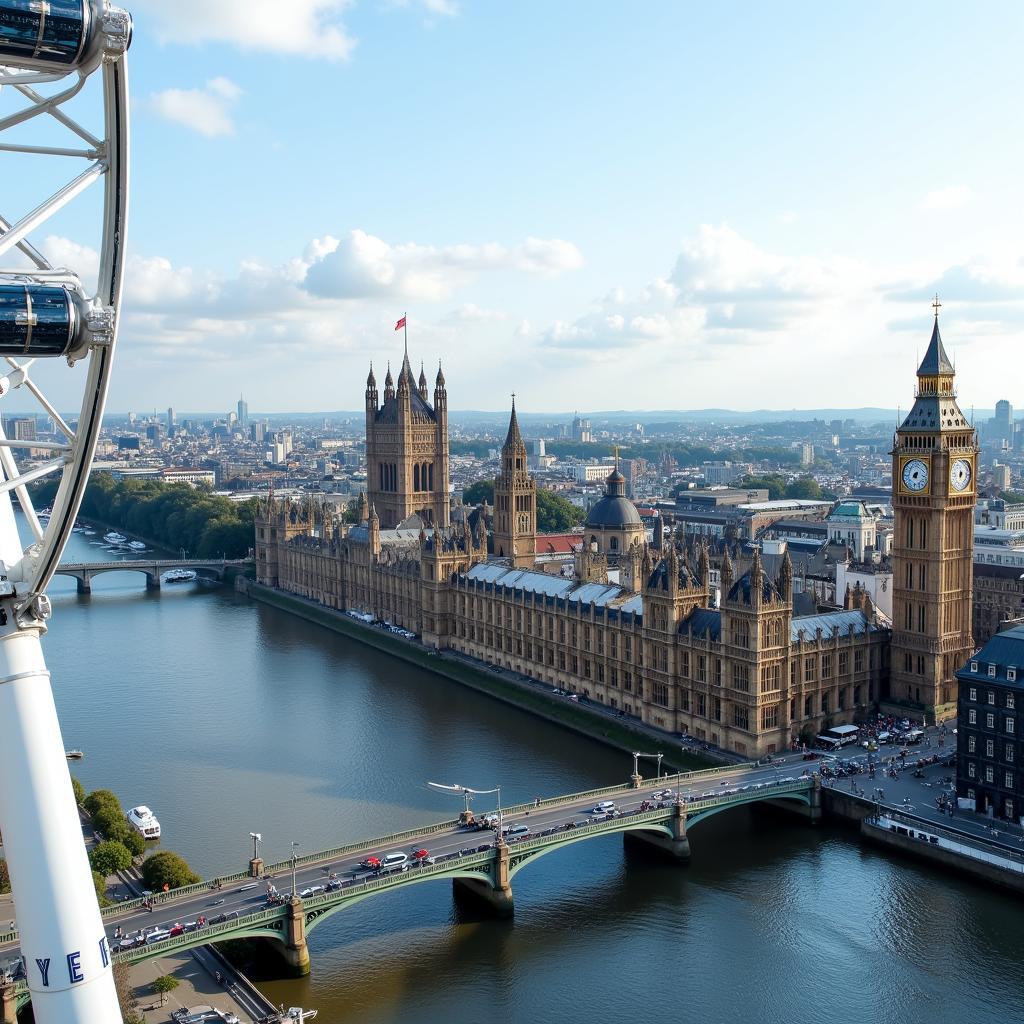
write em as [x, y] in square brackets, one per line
[480, 863]
[152, 568]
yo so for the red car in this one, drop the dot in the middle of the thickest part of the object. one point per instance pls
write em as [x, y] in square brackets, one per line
[421, 857]
[373, 863]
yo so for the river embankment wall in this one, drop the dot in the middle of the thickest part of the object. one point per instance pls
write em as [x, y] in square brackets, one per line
[502, 686]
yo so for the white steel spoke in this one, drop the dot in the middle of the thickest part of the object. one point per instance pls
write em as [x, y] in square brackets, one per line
[20, 480]
[26, 247]
[46, 105]
[46, 210]
[10, 147]
[10, 469]
[49, 446]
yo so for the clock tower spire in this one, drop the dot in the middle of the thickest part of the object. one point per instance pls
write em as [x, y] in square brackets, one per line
[934, 469]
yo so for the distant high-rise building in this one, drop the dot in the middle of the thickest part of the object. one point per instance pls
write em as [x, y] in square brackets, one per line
[22, 429]
[171, 418]
[806, 454]
[581, 430]
[243, 412]
[1002, 422]
[257, 432]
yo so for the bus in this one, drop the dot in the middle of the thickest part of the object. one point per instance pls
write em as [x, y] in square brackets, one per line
[839, 736]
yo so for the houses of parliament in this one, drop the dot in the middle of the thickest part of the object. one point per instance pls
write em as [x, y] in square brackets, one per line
[742, 672]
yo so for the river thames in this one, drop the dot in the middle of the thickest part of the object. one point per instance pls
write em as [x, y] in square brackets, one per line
[228, 717]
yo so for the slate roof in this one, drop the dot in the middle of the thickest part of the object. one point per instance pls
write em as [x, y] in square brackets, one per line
[827, 621]
[935, 360]
[1005, 650]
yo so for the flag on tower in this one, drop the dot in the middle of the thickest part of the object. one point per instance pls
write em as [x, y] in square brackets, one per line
[400, 324]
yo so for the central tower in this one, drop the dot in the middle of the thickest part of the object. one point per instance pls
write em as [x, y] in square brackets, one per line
[407, 449]
[934, 474]
[515, 502]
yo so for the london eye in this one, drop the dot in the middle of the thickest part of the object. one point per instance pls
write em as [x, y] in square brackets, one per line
[57, 327]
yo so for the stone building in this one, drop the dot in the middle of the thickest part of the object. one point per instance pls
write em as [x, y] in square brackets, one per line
[407, 449]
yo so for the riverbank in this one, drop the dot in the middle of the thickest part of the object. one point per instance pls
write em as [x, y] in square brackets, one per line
[528, 695]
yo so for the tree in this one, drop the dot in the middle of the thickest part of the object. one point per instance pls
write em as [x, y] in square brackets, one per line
[101, 798]
[107, 858]
[167, 868]
[126, 995]
[482, 490]
[804, 487]
[164, 984]
[111, 823]
[555, 513]
[135, 843]
[100, 885]
[5, 877]
[79, 790]
[774, 482]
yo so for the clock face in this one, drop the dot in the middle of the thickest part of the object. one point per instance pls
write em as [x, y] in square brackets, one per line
[960, 474]
[915, 475]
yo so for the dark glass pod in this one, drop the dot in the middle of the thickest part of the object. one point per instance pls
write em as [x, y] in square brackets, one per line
[35, 34]
[38, 320]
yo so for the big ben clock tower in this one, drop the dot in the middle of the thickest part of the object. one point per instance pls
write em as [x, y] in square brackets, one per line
[934, 475]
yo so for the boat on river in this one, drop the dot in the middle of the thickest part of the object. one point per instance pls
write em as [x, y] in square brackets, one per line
[180, 576]
[114, 538]
[143, 820]
[74, 755]
[136, 545]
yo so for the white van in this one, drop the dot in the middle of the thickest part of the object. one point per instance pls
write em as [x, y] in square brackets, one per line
[394, 862]
[604, 807]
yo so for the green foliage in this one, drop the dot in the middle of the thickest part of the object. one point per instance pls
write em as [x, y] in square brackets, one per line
[107, 858]
[79, 790]
[100, 884]
[102, 798]
[556, 514]
[482, 490]
[803, 487]
[135, 843]
[111, 823]
[164, 984]
[5, 877]
[175, 515]
[167, 868]
[126, 995]
[1012, 497]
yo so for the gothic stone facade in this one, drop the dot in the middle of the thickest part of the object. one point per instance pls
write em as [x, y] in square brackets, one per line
[749, 676]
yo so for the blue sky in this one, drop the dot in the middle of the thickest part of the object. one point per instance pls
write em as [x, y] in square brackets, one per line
[598, 205]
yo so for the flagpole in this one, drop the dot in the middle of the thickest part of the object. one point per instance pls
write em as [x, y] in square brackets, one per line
[405, 331]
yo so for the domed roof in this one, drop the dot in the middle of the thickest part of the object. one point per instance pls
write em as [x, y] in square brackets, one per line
[612, 512]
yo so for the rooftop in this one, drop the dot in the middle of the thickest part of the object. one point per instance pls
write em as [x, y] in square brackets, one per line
[1004, 651]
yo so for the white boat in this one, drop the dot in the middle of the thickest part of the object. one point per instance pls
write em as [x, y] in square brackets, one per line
[88, 532]
[74, 755]
[143, 820]
[180, 576]
[136, 545]
[114, 538]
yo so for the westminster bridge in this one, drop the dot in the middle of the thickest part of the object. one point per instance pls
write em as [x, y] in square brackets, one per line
[480, 864]
[152, 568]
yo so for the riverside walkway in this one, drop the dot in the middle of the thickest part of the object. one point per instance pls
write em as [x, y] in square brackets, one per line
[480, 863]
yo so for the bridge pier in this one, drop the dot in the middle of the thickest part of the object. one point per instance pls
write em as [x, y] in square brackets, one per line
[296, 952]
[152, 581]
[811, 812]
[676, 846]
[8, 1005]
[495, 900]
[83, 584]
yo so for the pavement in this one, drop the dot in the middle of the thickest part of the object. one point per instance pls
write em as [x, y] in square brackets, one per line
[194, 971]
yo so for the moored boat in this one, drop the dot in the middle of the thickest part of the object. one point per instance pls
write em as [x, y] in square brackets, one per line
[143, 820]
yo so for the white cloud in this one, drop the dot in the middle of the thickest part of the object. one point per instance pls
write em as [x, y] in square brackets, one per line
[448, 8]
[305, 28]
[949, 198]
[207, 111]
[362, 265]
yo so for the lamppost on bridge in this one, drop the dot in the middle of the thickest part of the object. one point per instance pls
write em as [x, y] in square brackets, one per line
[636, 767]
[295, 894]
[255, 865]
[466, 817]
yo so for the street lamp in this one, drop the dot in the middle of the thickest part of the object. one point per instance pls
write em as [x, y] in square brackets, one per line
[295, 846]
[468, 793]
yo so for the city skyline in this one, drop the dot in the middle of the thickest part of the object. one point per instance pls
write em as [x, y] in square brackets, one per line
[763, 183]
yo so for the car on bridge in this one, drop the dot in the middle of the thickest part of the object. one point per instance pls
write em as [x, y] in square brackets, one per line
[604, 807]
[313, 890]
[370, 863]
[157, 935]
[515, 830]
[420, 857]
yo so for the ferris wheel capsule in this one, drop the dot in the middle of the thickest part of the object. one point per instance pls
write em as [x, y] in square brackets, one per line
[61, 35]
